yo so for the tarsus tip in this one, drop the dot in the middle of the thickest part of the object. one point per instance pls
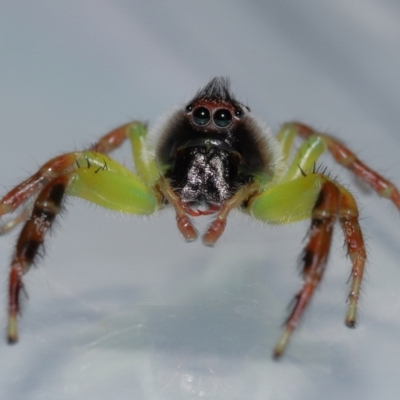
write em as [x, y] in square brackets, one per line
[282, 344]
[12, 331]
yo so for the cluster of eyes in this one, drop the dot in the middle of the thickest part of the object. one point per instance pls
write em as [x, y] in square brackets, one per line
[221, 117]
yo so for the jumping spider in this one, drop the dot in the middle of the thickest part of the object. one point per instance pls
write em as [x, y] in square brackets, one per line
[208, 157]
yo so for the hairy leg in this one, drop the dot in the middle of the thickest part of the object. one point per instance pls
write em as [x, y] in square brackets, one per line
[46, 208]
[348, 159]
[134, 131]
[348, 218]
[315, 196]
[91, 176]
[314, 257]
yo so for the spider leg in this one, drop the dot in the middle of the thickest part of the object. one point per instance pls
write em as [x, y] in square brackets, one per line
[134, 131]
[89, 175]
[46, 207]
[348, 159]
[34, 184]
[325, 201]
[101, 180]
[113, 139]
[314, 257]
[348, 218]
[56, 166]
[285, 137]
[305, 159]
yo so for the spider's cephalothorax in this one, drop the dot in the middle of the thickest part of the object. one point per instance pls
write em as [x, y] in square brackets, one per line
[211, 148]
[205, 158]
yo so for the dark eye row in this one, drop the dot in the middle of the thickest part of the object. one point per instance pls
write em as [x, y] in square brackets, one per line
[222, 117]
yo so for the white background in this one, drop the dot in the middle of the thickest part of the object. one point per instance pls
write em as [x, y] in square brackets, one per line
[121, 307]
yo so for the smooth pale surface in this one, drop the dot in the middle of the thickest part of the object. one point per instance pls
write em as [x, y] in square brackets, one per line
[121, 307]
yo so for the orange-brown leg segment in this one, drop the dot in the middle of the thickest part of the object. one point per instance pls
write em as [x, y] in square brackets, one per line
[46, 208]
[113, 139]
[348, 217]
[315, 256]
[31, 186]
[348, 159]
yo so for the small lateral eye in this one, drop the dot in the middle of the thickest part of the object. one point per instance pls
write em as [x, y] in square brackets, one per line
[201, 116]
[222, 117]
[189, 108]
[239, 113]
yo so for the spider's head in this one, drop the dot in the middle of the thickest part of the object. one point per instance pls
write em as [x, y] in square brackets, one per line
[214, 108]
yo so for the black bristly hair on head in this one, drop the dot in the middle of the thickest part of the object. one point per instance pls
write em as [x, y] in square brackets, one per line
[218, 89]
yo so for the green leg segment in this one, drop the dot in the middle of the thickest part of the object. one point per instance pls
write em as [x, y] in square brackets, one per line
[144, 163]
[103, 181]
[287, 202]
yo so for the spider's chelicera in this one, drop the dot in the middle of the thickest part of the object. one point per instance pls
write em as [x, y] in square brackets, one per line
[205, 158]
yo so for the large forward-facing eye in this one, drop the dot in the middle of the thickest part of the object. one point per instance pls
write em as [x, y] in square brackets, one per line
[222, 117]
[201, 116]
